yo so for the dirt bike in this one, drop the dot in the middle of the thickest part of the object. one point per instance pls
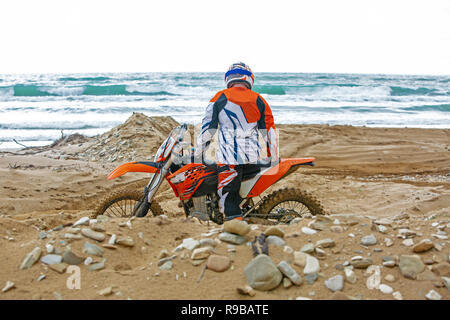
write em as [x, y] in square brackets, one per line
[195, 184]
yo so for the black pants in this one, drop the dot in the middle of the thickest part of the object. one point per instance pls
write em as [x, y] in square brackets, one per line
[230, 178]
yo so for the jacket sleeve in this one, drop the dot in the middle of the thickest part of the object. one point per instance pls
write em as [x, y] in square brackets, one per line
[267, 128]
[209, 127]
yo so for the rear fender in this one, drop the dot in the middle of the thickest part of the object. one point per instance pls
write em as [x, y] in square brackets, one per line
[141, 166]
[269, 177]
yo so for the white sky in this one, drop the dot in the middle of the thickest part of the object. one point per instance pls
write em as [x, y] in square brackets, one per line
[392, 36]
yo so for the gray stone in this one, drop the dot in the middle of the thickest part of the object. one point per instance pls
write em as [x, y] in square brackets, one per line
[308, 248]
[92, 249]
[312, 265]
[350, 276]
[167, 266]
[361, 264]
[289, 272]
[311, 278]
[71, 258]
[300, 258]
[325, 243]
[92, 234]
[207, 243]
[446, 281]
[262, 273]
[201, 253]
[309, 231]
[125, 241]
[164, 260]
[423, 246]
[335, 283]
[411, 266]
[8, 286]
[218, 263]
[369, 240]
[81, 221]
[275, 240]
[433, 295]
[31, 258]
[236, 227]
[190, 244]
[51, 259]
[97, 266]
[232, 238]
[72, 236]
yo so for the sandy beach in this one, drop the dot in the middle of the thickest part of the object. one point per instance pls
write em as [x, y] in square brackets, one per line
[400, 176]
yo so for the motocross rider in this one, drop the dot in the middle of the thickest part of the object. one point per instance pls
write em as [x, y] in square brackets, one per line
[240, 113]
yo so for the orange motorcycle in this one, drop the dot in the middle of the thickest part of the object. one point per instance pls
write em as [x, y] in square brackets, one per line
[195, 184]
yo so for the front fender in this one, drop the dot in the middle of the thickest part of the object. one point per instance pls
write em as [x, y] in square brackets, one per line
[141, 166]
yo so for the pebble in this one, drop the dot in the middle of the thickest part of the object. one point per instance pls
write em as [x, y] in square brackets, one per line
[218, 263]
[369, 240]
[433, 295]
[92, 249]
[274, 231]
[325, 243]
[385, 289]
[307, 248]
[312, 265]
[423, 246]
[389, 278]
[307, 230]
[362, 264]
[163, 253]
[31, 258]
[51, 259]
[335, 283]
[410, 266]
[275, 240]
[8, 286]
[397, 295]
[72, 236]
[97, 266]
[246, 290]
[58, 267]
[290, 273]
[50, 248]
[350, 276]
[41, 277]
[408, 242]
[287, 283]
[125, 241]
[88, 261]
[71, 258]
[446, 281]
[382, 229]
[288, 250]
[164, 260]
[201, 253]
[106, 291]
[207, 243]
[236, 227]
[167, 266]
[311, 278]
[81, 221]
[112, 240]
[320, 253]
[262, 274]
[232, 238]
[337, 229]
[92, 234]
[190, 244]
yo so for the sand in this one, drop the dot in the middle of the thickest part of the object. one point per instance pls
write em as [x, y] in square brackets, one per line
[366, 173]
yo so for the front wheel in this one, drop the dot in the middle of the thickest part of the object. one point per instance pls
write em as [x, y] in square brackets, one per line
[287, 204]
[127, 203]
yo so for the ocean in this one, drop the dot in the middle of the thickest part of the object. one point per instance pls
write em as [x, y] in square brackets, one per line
[35, 108]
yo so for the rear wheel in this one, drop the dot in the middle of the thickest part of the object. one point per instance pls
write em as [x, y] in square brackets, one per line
[126, 203]
[284, 205]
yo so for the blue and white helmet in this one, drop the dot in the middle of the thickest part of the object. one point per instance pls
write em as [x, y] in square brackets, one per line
[239, 72]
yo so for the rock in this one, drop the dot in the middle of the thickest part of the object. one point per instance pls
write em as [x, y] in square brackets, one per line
[338, 295]
[389, 278]
[92, 249]
[41, 277]
[88, 261]
[72, 236]
[125, 241]
[312, 265]
[110, 246]
[410, 266]
[8, 286]
[406, 233]
[287, 283]
[82, 221]
[71, 258]
[423, 246]
[390, 263]
[385, 289]
[325, 243]
[31, 258]
[307, 248]
[302, 298]
[384, 222]
[274, 231]
[300, 258]
[112, 240]
[106, 291]
[236, 227]
[335, 283]
[374, 281]
[388, 242]
[51, 259]
[362, 264]
[58, 267]
[307, 230]
[262, 273]
[290, 273]
[397, 295]
[201, 253]
[190, 244]
[311, 278]
[275, 240]
[369, 240]
[99, 227]
[433, 295]
[163, 254]
[207, 243]
[408, 242]
[288, 250]
[446, 281]
[337, 229]
[97, 266]
[73, 230]
[164, 260]
[382, 229]
[196, 263]
[246, 290]
[442, 269]
[92, 234]
[167, 266]
[49, 248]
[232, 238]
[218, 263]
[350, 276]
[427, 275]
[321, 223]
